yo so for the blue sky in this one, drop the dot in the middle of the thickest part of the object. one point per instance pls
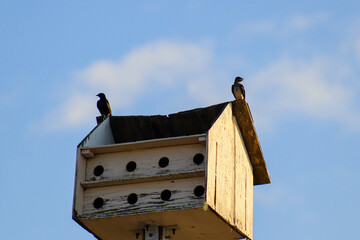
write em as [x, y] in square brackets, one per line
[301, 65]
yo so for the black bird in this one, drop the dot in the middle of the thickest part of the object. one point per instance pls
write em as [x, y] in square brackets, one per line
[103, 105]
[238, 89]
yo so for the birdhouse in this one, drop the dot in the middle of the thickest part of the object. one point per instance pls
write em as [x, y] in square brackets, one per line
[188, 175]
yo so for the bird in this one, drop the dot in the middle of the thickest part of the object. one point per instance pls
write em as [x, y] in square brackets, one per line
[238, 89]
[103, 106]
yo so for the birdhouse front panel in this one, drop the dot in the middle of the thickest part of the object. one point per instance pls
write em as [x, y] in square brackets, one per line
[147, 176]
[132, 182]
[146, 163]
[144, 197]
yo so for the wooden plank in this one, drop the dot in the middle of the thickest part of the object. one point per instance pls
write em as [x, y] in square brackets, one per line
[149, 198]
[225, 167]
[146, 144]
[210, 171]
[220, 172]
[101, 183]
[249, 200]
[240, 206]
[115, 165]
[87, 153]
[243, 185]
[78, 189]
[243, 116]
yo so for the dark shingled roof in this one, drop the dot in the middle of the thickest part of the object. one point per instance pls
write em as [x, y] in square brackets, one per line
[139, 128]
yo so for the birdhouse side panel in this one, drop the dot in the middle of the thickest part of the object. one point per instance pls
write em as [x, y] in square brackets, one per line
[78, 189]
[243, 186]
[220, 172]
[229, 173]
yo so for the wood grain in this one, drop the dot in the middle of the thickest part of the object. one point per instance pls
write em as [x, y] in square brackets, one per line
[245, 122]
[147, 164]
[229, 173]
[149, 198]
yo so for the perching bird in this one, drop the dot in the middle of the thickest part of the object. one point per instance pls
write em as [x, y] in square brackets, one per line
[103, 105]
[238, 89]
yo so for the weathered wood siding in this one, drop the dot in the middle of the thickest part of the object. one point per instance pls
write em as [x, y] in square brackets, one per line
[147, 180]
[147, 163]
[229, 173]
[243, 185]
[245, 122]
[149, 198]
[78, 189]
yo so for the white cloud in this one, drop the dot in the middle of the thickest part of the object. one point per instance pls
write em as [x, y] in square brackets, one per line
[179, 72]
[155, 63]
[303, 22]
[159, 65]
[289, 88]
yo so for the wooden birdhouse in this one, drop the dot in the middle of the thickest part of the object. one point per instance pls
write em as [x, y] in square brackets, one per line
[188, 175]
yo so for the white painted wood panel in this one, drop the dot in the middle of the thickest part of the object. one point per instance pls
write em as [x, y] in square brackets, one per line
[146, 144]
[147, 163]
[102, 183]
[211, 150]
[78, 189]
[149, 198]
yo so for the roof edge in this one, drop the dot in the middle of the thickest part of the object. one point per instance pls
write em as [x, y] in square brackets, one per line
[244, 119]
[146, 144]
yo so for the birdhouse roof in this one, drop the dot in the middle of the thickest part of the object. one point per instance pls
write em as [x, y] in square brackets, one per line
[139, 128]
[126, 129]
